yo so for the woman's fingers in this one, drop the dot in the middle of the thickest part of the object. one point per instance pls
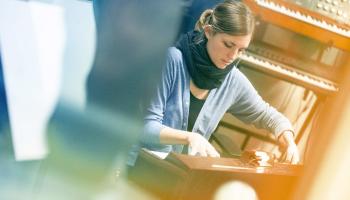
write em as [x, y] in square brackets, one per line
[200, 146]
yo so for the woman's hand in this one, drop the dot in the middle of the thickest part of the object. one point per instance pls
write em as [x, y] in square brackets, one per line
[290, 152]
[198, 145]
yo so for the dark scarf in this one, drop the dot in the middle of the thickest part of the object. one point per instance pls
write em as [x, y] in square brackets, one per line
[203, 71]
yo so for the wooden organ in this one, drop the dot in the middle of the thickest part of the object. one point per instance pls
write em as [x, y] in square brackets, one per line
[313, 74]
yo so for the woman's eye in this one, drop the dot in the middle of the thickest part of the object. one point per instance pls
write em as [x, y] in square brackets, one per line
[227, 45]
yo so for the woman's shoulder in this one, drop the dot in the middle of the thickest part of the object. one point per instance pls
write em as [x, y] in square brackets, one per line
[174, 54]
[237, 75]
[242, 83]
[238, 79]
[174, 61]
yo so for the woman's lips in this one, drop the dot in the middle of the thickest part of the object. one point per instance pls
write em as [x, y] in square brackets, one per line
[226, 62]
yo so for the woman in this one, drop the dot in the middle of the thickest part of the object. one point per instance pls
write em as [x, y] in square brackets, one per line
[200, 83]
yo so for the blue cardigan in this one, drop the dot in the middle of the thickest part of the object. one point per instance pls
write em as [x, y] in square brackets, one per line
[170, 106]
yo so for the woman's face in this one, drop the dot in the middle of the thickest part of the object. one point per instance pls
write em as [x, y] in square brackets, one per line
[223, 48]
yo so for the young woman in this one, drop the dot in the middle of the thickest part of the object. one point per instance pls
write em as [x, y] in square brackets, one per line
[200, 83]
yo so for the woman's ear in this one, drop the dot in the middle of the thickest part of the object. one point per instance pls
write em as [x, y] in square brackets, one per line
[208, 31]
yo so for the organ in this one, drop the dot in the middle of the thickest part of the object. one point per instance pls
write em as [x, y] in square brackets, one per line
[307, 24]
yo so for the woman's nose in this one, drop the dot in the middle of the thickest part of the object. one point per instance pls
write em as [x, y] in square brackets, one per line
[232, 54]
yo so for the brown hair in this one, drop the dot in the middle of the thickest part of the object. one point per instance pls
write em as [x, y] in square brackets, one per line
[230, 17]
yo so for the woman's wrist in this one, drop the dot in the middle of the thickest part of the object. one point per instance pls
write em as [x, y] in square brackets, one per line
[287, 137]
[174, 136]
[189, 136]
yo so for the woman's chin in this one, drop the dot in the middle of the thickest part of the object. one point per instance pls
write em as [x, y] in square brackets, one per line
[221, 66]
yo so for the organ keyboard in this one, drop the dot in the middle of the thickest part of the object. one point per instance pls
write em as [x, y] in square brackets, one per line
[288, 73]
[304, 17]
[303, 21]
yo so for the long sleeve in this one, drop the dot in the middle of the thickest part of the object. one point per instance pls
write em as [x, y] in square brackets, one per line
[251, 108]
[155, 112]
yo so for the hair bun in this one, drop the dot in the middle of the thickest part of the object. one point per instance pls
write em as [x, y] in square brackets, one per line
[204, 19]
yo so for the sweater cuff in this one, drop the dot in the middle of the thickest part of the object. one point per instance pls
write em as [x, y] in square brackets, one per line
[151, 133]
[282, 128]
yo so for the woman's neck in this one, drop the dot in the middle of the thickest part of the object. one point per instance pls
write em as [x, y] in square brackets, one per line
[197, 92]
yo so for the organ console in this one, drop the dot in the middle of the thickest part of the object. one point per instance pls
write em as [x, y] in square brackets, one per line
[303, 42]
[292, 19]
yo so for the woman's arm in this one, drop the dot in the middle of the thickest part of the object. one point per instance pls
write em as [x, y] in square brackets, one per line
[173, 136]
[153, 121]
[251, 108]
